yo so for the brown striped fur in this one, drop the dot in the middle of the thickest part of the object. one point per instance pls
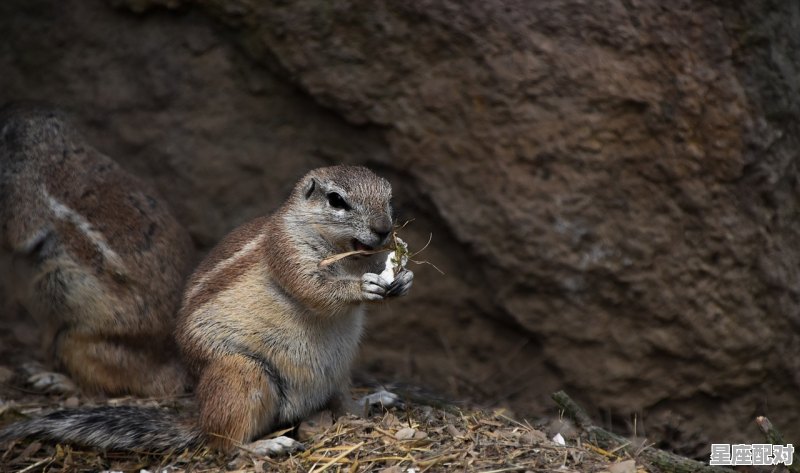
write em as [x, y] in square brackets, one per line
[95, 257]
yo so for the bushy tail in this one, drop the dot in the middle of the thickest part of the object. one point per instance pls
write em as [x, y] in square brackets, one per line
[111, 428]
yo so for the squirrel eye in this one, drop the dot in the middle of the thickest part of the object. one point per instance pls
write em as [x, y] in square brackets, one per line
[337, 202]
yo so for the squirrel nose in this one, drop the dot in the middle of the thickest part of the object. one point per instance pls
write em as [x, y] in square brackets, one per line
[382, 227]
[382, 235]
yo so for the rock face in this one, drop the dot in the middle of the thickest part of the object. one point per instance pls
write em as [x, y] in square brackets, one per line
[612, 190]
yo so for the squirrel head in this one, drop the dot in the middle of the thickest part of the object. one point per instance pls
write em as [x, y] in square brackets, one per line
[25, 126]
[348, 206]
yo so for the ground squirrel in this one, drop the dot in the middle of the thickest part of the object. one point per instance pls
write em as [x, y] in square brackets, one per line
[268, 333]
[92, 254]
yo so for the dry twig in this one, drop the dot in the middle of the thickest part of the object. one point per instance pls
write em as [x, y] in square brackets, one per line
[664, 461]
[774, 437]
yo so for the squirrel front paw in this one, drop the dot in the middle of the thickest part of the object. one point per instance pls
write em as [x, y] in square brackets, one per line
[375, 288]
[401, 284]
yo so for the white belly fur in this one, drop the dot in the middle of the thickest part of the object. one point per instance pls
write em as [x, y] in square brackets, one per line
[322, 359]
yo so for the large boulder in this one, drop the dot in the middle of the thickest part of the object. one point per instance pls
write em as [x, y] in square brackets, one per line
[612, 189]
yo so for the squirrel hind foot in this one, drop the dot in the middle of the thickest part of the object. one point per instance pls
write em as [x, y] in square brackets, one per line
[48, 381]
[274, 447]
[380, 398]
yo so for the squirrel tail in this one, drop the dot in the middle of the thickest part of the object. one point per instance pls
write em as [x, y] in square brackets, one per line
[111, 428]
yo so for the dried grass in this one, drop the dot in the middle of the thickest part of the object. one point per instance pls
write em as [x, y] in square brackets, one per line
[412, 439]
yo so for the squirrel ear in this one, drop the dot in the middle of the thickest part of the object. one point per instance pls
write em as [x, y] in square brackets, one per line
[310, 188]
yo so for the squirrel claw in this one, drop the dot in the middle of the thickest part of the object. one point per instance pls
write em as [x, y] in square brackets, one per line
[401, 284]
[373, 287]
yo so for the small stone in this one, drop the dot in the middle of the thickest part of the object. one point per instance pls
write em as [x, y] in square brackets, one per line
[452, 430]
[532, 437]
[394, 469]
[627, 466]
[6, 374]
[314, 425]
[405, 433]
[390, 420]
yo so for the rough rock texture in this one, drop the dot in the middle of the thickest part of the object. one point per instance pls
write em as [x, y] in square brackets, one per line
[612, 189]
